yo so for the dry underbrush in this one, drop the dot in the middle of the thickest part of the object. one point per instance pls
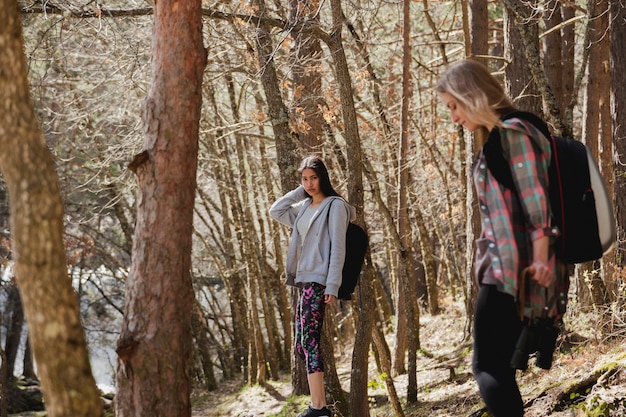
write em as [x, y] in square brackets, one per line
[588, 377]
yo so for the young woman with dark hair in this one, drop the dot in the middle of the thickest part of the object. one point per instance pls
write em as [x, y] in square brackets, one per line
[319, 218]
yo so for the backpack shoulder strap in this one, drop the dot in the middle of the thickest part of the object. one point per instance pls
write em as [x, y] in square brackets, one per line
[530, 117]
[492, 149]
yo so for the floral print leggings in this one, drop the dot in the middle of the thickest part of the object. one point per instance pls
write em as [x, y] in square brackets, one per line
[308, 326]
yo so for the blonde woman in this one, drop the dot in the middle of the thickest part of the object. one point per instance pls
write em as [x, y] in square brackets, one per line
[516, 228]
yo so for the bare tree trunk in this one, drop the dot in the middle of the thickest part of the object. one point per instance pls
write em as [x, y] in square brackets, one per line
[520, 85]
[479, 47]
[478, 30]
[526, 81]
[618, 110]
[202, 344]
[257, 357]
[404, 228]
[229, 203]
[597, 116]
[428, 263]
[331, 379]
[28, 366]
[155, 344]
[306, 76]
[275, 286]
[286, 138]
[383, 354]
[36, 213]
[286, 151]
[400, 320]
[4, 381]
[15, 314]
[568, 46]
[552, 52]
[365, 302]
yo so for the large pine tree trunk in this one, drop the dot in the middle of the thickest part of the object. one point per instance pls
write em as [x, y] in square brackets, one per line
[50, 304]
[154, 348]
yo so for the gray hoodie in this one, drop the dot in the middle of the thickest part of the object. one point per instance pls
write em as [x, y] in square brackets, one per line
[314, 261]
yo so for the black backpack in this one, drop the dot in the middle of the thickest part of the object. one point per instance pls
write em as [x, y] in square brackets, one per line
[581, 207]
[356, 246]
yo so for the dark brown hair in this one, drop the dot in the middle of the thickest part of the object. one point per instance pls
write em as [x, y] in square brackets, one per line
[316, 164]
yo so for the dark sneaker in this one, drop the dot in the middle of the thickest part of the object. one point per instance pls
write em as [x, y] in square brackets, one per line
[312, 412]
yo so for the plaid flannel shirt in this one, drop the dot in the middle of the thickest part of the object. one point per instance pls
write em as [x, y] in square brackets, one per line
[510, 224]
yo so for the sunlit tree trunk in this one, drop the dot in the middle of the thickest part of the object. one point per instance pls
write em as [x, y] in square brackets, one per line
[478, 48]
[383, 359]
[36, 212]
[286, 150]
[202, 345]
[257, 355]
[275, 287]
[406, 275]
[618, 110]
[519, 82]
[306, 76]
[553, 52]
[597, 126]
[15, 315]
[230, 213]
[568, 44]
[155, 344]
[526, 80]
[4, 383]
[558, 55]
[365, 302]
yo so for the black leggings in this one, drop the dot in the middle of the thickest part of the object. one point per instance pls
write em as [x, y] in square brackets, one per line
[496, 329]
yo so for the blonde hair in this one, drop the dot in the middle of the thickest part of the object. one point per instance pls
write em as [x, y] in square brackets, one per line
[480, 94]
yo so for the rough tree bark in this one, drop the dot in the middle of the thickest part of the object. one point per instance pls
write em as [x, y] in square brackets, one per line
[287, 157]
[520, 85]
[36, 213]
[568, 50]
[553, 51]
[523, 45]
[597, 119]
[305, 73]
[365, 302]
[230, 214]
[15, 315]
[203, 343]
[618, 107]
[154, 347]
[406, 274]
[479, 47]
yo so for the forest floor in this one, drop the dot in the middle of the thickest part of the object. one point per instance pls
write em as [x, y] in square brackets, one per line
[588, 378]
